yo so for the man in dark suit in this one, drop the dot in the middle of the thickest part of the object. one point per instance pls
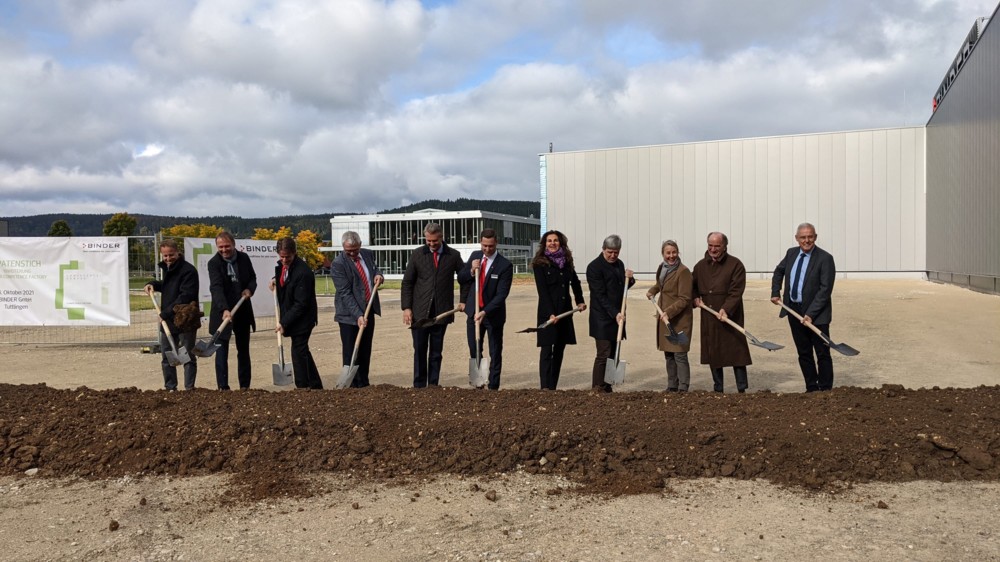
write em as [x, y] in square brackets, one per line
[428, 289]
[808, 287]
[495, 274]
[296, 287]
[355, 275]
[606, 278]
[231, 276]
[179, 286]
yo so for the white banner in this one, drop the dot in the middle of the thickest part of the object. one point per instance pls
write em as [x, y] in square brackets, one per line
[263, 256]
[64, 281]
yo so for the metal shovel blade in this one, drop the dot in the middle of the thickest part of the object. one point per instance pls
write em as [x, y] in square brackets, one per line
[172, 359]
[843, 348]
[206, 348]
[281, 375]
[677, 338]
[182, 356]
[347, 376]
[614, 372]
[479, 373]
[770, 346]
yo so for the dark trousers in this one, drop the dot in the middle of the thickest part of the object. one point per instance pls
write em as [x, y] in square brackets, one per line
[550, 359]
[187, 341]
[348, 335]
[494, 333]
[818, 372]
[241, 333]
[739, 372]
[306, 373]
[604, 348]
[428, 344]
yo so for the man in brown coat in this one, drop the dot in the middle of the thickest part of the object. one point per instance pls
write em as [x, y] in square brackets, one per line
[719, 280]
[428, 289]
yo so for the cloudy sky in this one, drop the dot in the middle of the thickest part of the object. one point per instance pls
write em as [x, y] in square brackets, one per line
[262, 108]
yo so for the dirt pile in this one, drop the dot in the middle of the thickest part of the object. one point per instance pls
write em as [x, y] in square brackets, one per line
[610, 444]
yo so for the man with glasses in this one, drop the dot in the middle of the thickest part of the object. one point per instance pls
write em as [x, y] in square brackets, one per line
[606, 277]
[808, 288]
[355, 276]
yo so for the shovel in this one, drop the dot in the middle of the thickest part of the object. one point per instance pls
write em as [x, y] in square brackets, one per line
[765, 344]
[207, 348]
[614, 371]
[175, 357]
[347, 375]
[841, 347]
[428, 322]
[479, 367]
[281, 372]
[676, 338]
[548, 323]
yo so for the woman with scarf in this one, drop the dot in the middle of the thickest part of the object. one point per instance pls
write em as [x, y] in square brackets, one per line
[673, 284]
[554, 277]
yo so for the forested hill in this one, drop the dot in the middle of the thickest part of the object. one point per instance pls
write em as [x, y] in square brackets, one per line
[93, 224]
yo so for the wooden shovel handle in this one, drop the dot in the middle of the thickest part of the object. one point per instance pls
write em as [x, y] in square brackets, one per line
[799, 316]
[231, 313]
[621, 325]
[371, 299]
[728, 321]
[659, 310]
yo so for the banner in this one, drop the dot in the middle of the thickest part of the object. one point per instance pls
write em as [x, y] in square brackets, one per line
[64, 281]
[264, 256]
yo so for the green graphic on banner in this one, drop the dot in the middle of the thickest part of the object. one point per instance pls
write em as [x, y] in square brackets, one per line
[205, 250]
[71, 313]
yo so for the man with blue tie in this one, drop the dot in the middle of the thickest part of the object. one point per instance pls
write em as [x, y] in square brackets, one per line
[355, 276]
[496, 274]
[808, 288]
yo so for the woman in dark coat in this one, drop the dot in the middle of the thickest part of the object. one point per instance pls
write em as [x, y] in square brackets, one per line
[554, 276]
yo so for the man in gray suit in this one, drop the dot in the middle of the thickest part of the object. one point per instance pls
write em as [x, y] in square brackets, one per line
[808, 288]
[355, 276]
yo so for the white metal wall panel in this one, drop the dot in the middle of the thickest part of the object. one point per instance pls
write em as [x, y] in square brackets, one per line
[864, 191]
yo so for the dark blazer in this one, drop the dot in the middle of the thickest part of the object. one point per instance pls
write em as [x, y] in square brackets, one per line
[606, 282]
[225, 293]
[553, 286]
[297, 298]
[816, 288]
[428, 290]
[179, 286]
[350, 299]
[498, 281]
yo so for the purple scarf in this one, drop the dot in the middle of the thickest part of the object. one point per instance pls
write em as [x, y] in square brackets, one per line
[558, 257]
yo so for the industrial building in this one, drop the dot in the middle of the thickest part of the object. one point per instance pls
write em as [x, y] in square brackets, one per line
[900, 202]
[394, 236]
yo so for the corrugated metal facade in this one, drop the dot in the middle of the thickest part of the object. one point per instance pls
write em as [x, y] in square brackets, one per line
[864, 191]
[963, 173]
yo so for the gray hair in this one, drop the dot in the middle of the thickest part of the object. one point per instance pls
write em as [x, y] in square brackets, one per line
[725, 239]
[432, 228]
[806, 225]
[612, 242]
[351, 237]
[669, 243]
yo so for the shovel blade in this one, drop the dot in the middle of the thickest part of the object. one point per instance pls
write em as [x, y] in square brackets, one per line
[206, 348]
[183, 356]
[677, 338]
[281, 375]
[614, 372]
[479, 374]
[770, 346]
[844, 349]
[347, 376]
[172, 358]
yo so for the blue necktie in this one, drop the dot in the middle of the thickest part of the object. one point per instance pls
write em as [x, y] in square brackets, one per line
[795, 277]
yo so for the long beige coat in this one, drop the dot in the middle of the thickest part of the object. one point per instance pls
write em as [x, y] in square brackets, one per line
[675, 300]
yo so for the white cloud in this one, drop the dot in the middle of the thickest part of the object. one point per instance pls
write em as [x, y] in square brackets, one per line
[266, 108]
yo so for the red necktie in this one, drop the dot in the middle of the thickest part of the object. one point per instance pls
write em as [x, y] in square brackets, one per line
[435, 260]
[482, 280]
[364, 278]
[284, 274]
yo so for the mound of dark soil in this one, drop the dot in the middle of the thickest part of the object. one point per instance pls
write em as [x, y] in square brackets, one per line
[619, 443]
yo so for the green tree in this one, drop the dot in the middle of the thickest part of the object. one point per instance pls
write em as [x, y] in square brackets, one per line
[120, 224]
[60, 228]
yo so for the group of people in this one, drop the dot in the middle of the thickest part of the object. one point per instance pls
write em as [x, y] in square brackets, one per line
[715, 285]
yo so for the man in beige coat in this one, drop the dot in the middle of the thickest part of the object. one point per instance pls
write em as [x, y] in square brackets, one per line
[673, 285]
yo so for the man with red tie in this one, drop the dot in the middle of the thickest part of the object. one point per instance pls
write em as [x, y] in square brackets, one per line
[356, 275]
[428, 289]
[495, 274]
